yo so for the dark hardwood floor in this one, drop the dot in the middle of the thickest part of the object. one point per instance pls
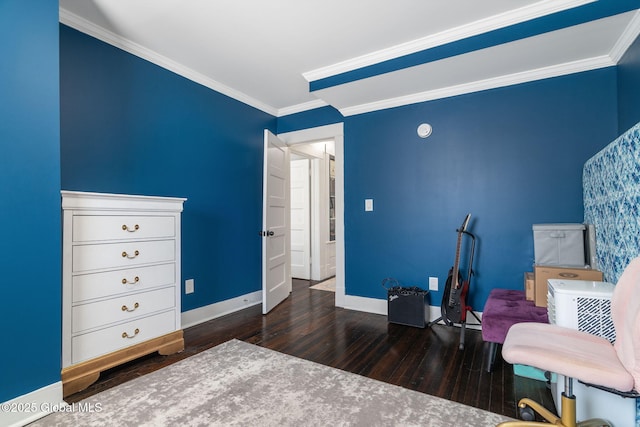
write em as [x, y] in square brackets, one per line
[309, 326]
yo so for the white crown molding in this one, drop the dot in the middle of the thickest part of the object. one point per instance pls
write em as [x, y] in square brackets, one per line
[533, 11]
[502, 81]
[537, 9]
[306, 106]
[74, 21]
[626, 39]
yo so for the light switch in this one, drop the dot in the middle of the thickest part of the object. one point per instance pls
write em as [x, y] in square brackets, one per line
[189, 286]
[368, 205]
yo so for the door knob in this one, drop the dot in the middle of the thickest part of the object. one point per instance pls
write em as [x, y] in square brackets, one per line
[270, 233]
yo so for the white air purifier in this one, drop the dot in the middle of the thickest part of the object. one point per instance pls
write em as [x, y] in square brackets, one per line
[583, 305]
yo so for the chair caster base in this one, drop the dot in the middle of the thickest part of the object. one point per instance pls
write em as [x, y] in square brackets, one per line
[528, 408]
[527, 414]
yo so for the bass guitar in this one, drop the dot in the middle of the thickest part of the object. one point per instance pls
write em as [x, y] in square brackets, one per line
[453, 305]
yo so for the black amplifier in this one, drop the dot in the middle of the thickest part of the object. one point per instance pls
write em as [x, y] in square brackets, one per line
[406, 306]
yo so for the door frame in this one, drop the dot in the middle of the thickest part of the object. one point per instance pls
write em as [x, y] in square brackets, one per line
[335, 132]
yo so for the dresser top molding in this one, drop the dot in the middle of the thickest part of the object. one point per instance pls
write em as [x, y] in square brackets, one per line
[79, 200]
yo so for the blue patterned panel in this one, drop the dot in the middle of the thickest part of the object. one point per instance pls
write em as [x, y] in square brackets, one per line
[611, 186]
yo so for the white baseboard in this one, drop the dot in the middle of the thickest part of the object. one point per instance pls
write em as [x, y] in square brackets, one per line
[351, 302]
[379, 306]
[368, 305]
[29, 407]
[219, 309]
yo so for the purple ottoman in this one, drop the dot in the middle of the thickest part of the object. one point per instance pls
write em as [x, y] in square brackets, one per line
[506, 307]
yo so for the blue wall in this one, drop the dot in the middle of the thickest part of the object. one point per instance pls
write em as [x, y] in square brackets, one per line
[30, 192]
[129, 126]
[629, 88]
[511, 157]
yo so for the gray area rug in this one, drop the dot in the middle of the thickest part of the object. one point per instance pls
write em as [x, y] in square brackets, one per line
[240, 384]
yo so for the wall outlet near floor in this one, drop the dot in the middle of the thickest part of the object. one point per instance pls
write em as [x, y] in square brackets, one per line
[433, 283]
[189, 286]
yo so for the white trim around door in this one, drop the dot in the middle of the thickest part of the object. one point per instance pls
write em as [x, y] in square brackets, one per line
[335, 132]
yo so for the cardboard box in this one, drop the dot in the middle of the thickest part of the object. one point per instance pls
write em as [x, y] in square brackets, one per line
[529, 286]
[544, 273]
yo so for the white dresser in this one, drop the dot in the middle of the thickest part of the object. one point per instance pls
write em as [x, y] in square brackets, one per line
[121, 282]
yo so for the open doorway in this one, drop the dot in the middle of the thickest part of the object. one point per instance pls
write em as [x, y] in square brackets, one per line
[330, 211]
[313, 237]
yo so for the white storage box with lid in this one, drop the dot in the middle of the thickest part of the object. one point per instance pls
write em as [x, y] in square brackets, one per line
[559, 244]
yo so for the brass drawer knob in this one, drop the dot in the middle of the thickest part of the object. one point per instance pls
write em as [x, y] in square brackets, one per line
[135, 307]
[126, 281]
[126, 255]
[133, 229]
[126, 335]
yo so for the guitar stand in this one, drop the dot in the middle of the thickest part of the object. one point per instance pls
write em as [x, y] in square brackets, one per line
[464, 323]
[466, 308]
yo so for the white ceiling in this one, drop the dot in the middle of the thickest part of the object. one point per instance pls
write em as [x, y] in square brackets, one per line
[265, 53]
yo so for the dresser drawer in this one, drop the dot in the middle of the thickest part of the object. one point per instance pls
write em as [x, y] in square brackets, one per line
[97, 314]
[113, 283]
[94, 344]
[88, 228]
[121, 255]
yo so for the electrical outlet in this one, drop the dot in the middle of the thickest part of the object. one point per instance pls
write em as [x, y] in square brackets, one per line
[189, 286]
[433, 283]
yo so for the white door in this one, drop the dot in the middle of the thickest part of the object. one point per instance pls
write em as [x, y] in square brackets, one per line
[300, 220]
[276, 262]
